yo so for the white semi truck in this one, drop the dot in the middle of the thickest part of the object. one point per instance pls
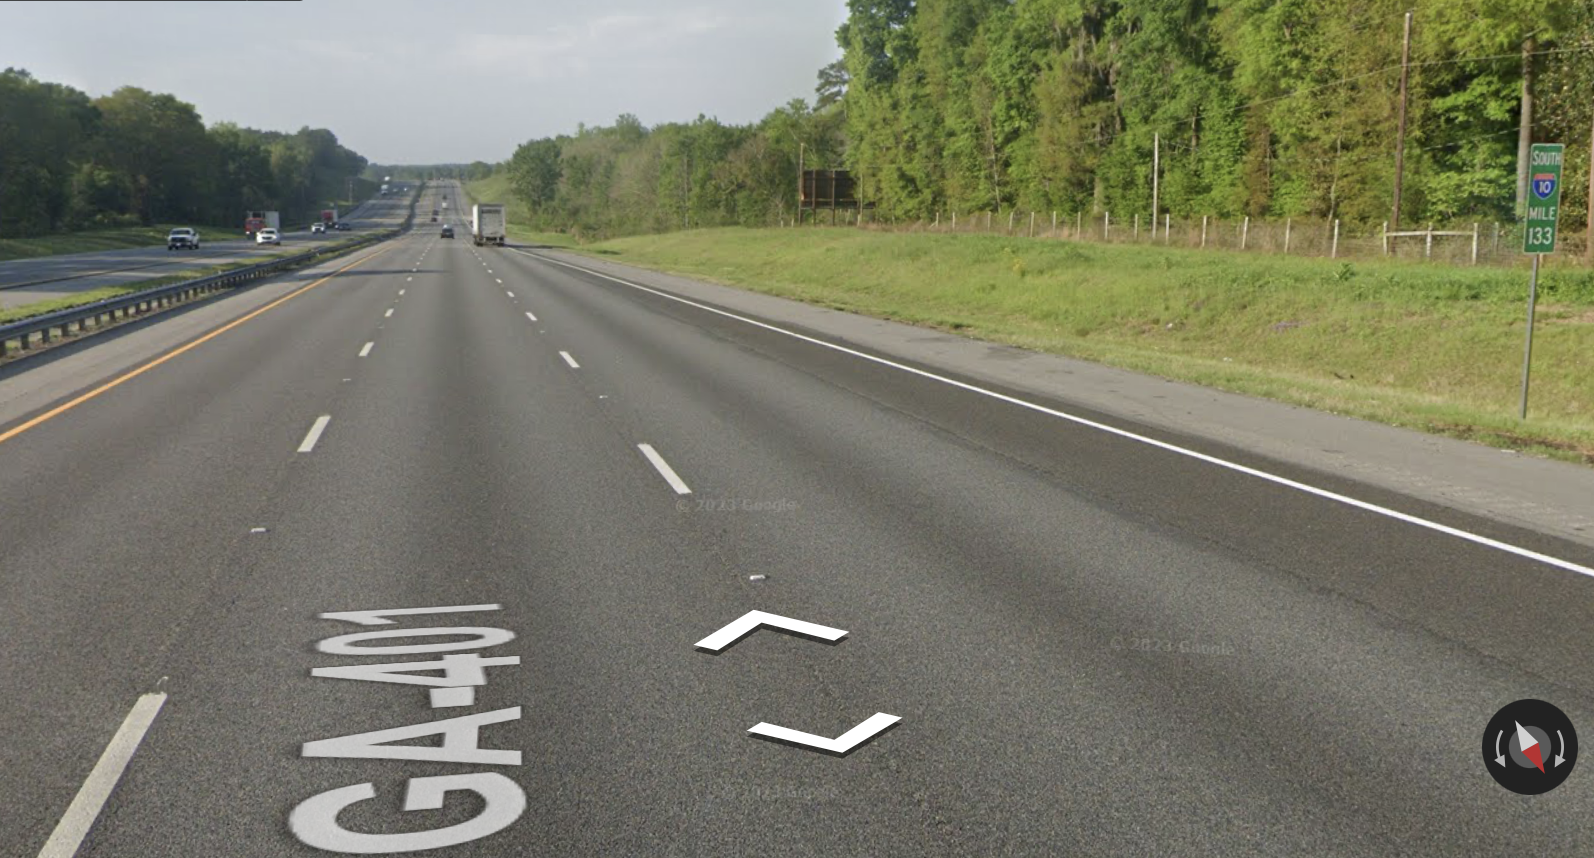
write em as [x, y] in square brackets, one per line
[487, 224]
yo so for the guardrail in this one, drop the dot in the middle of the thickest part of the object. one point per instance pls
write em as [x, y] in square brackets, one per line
[41, 330]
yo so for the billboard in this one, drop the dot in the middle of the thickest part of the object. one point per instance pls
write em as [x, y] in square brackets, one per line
[830, 189]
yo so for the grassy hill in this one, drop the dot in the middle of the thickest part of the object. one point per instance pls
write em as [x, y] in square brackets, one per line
[1427, 346]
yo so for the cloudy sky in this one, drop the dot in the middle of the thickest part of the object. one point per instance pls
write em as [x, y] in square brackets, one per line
[426, 81]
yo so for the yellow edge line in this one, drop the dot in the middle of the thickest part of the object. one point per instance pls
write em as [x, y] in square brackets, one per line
[68, 406]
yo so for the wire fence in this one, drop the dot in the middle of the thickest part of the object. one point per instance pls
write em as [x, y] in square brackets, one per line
[1454, 243]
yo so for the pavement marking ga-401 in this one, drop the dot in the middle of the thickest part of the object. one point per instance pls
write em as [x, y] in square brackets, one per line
[314, 821]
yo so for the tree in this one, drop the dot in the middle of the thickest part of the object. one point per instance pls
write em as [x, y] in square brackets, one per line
[534, 172]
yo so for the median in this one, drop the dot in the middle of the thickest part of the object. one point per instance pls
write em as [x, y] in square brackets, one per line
[25, 328]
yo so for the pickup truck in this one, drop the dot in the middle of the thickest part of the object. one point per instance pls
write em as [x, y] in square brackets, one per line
[182, 238]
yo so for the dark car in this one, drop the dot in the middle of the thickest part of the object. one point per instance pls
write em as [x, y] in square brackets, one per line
[342, 227]
[448, 232]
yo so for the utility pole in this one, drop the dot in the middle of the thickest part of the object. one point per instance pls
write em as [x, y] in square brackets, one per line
[1400, 138]
[1525, 132]
[1156, 171]
[1589, 250]
[802, 149]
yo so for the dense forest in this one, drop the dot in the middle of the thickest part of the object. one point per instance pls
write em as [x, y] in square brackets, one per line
[134, 157]
[1269, 108]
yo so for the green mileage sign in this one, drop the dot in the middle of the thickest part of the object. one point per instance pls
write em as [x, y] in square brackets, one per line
[1544, 197]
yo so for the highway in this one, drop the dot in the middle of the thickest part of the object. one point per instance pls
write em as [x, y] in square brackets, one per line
[25, 281]
[1100, 637]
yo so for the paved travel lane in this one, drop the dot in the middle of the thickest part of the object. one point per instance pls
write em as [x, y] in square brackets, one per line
[1095, 646]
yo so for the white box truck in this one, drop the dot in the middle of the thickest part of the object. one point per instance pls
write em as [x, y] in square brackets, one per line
[487, 224]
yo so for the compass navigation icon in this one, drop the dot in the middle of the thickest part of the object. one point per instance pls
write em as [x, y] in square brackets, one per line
[1529, 747]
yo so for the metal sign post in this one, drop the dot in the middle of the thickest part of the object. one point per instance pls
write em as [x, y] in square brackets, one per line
[1538, 232]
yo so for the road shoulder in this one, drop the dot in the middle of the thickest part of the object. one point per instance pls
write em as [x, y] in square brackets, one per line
[1541, 495]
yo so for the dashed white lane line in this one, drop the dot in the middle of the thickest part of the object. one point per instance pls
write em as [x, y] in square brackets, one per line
[510, 294]
[366, 352]
[664, 469]
[500, 282]
[388, 314]
[1325, 494]
[85, 807]
[314, 435]
[570, 360]
[401, 292]
[530, 316]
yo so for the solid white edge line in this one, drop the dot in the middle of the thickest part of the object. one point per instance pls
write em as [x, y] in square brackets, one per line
[314, 434]
[1122, 433]
[365, 352]
[570, 360]
[664, 469]
[530, 316]
[86, 806]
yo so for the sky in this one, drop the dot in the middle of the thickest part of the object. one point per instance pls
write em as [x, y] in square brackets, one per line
[434, 81]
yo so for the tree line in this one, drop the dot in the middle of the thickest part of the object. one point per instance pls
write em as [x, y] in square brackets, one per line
[1268, 108]
[626, 178]
[134, 157]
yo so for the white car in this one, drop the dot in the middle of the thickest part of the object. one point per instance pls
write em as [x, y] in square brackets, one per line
[182, 238]
[318, 226]
[268, 236]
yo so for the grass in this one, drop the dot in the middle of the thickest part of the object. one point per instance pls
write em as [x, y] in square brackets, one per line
[78, 299]
[120, 238]
[1430, 347]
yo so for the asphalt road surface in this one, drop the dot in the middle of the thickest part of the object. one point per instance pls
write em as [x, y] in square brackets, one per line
[1095, 645]
[25, 281]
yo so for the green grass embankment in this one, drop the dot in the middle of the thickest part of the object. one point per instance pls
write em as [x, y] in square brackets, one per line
[120, 238]
[1431, 347]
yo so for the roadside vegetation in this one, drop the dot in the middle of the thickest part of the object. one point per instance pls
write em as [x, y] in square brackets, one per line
[70, 163]
[1430, 347]
[105, 239]
[78, 299]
